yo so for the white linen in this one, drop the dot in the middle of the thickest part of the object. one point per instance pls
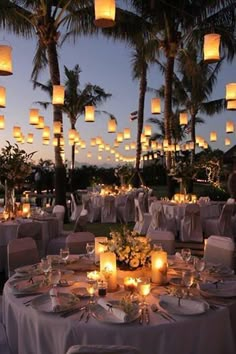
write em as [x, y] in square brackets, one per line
[186, 307]
[117, 312]
[55, 300]
[219, 289]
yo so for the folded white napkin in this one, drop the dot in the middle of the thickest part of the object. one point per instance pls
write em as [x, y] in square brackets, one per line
[117, 312]
[187, 306]
[55, 300]
[178, 257]
[220, 289]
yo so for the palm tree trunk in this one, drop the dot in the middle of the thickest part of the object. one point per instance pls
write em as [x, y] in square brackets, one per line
[167, 117]
[72, 151]
[142, 94]
[60, 172]
[193, 136]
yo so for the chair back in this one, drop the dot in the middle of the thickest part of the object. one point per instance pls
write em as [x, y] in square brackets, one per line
[76, 241]
[102, 349]
[220, 249]
[138, 211]
[158, 216]
[166, 238]
[191, 227]
[59, 212]
[225, 219]
[108, 211]
[81, 221]
[30, 229]
[20, 252]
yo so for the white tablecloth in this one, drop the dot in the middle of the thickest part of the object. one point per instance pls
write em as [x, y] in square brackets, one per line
[32, 332]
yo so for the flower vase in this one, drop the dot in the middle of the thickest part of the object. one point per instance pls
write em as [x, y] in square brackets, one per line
[10, 202]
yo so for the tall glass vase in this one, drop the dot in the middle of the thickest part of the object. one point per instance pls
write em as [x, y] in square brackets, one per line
[9, 201]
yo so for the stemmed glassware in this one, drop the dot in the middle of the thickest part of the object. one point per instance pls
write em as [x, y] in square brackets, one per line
[90, 248]
[55, 277]
[186, 255]
[64, 254]
[144, 288]
[199, 265]
[187, 280]
[46, 266]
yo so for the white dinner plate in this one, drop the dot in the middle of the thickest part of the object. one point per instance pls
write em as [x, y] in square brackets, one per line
[32, 269]
[221, 289]
[26, 285]
[188, 307]
[43, 302]
[105, 316]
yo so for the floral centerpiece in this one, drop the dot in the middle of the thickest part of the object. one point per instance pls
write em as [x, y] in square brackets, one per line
[132, 251]
[15, 167]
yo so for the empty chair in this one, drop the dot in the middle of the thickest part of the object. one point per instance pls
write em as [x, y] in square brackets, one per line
[108, 210]
[59, 212]
[4, 347]
[33, 230]
[102, 349]
[190, 225]
[93, 208]
[142, 220]
[75, 207]
[160, 220]
[221, 226]
[166, 238]
[76, 242]
[20, 252]
[81, 221]
[220, 249]
[125, 210]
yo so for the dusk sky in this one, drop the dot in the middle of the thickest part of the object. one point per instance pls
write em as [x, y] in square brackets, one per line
[103, 63]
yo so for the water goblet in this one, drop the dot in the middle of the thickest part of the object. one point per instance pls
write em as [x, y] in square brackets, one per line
[90, 248]
[91, 288]
[187, 280]
[55, 277]
[64, 254]
[186, 255]
[199, 265]
[46, 266]
[144, 288]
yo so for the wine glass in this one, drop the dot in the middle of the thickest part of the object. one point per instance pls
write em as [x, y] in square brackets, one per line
[46, 265]
[64, 253]
[91, 288]
[55, 277]
[90, 248]
[144, 288]
[199, 265]
[186, 254]
[187, 280]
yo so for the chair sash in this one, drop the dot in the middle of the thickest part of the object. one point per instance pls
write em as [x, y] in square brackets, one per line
[158, 216]
[225, 219]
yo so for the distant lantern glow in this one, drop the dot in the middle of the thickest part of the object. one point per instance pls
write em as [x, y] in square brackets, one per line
[34, 116]
[211, 49]
[111, 127]
[227, 141]
[57, 127]
[98, 140]
[229, 127]
[156, 105]
[40, 124]
[183, 118]
[71, 134]
[93, 142]
[89, 114]
[105, 12]
[213, 136]
[165, 143]
[2, 122]
[120, 137]
[5, 60]
[127, 133]
[16, 131]
[231, 105]
[30, 138]
[147, 130]
[46, 141]
[2, 97]
[231, 91]
[46, 132]
[58, 94]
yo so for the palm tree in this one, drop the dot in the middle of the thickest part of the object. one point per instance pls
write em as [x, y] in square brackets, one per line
[76, 98]
[47, 19]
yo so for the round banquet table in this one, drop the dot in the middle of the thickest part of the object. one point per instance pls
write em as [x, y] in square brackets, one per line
[32, 332]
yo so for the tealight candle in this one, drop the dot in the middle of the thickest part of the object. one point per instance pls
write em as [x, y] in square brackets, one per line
[26, 209]
[130, 284]
[99, 247]
[108, 269]
[159, 267]
[95, 275]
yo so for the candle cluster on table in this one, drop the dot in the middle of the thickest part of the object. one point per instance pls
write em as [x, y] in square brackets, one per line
[26, 209]
[159, 267]
[130, 284]
[94, 275]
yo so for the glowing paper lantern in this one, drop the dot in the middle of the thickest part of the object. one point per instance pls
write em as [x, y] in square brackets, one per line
[120, 137]
[229, 127]
[183, 118]
[111, 128]
[5, 60]
[46, 132]
[127, 133]
[46, 141]
[213, 136]
[211, 49]
[93, 142]
[105, 11]
[2, 97]
[156, 105]
[57, 127]
[2, 122]
[16, 131]
[227, 141]
[89, 114]
[71, 134]
[147, 130]
[40, 124]
[98, 140]
[231, 91]
[58, 94]
[231, 105]
[34, 116]
[30, 138]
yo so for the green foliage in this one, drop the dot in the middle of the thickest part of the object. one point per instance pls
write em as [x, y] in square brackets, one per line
[215, 193]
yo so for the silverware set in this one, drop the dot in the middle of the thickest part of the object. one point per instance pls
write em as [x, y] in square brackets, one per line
[162, 313]
[144, 316]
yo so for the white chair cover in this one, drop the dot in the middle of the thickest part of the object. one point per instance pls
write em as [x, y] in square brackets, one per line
[223, 225]
[161, 220]
[4, 347]
[220, 249]
[166, 238]
[142, 219]
[75, 209]
[81, 221]
[102, 349]
[108, 210]
[20, 252]
[190, 225]
[59, 212]
[92, 207]
[76, 242]
[125, 211]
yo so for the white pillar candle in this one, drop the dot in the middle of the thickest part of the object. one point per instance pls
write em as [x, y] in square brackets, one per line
[99, 247]
[159, 267]
[108, 269]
